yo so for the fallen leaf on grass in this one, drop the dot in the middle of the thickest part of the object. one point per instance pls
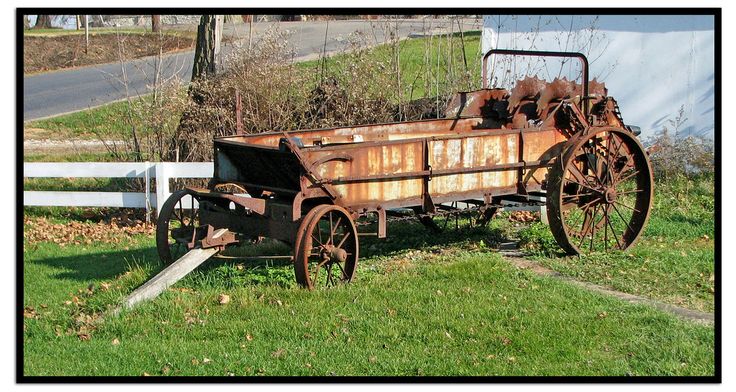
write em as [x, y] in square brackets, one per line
[223, 299]
[206, 360]
[278, 353]
[115, 342]
[84, 336]
[29, 312]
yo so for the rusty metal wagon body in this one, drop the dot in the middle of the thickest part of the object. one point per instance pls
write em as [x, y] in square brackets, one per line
[308, 188]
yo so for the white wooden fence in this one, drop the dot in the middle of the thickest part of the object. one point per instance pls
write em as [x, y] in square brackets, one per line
[161, 171]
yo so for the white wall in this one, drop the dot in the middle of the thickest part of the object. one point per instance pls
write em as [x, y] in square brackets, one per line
[652, 65]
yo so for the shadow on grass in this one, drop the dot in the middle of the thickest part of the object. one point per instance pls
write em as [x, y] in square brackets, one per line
[100, 266]
[402, 236]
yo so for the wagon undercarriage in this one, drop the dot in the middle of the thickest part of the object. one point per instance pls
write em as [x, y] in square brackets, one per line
[560, 142]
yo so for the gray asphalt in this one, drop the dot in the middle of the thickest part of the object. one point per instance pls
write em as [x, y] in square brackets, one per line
[59, 92]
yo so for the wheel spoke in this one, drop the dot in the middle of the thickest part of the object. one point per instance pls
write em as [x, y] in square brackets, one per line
[344, 276]
[342, 241]
[588, 217]
[624, 205]
[329, 275]
[334, 230]
[605, 228]
[630, 191]
[622, 218]
[592, 232]
[620, 180]
[580, 177]
[613, 231]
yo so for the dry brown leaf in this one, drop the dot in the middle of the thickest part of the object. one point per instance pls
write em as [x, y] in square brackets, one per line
[115, 342]
[223, 299]
[29, 312]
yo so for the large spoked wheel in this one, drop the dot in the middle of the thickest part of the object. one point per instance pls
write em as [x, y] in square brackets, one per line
[600, 193]
[176, 224]
[326, 249]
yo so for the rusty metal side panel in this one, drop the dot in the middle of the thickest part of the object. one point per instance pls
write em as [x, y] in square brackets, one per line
[542, 145]
[374, 160]
[469, 152]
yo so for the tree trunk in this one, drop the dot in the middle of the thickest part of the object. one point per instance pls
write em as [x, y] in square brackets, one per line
[26, 22]
[208, 46]
[155, 23]
[43, 22]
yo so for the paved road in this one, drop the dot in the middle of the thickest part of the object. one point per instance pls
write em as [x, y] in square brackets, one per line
[60, 92]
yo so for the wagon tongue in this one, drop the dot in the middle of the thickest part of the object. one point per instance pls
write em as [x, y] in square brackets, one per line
[206, 242]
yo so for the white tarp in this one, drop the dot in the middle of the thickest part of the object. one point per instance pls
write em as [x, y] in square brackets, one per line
[652, 65]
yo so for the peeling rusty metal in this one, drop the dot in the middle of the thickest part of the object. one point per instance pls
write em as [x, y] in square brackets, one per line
[493, 144]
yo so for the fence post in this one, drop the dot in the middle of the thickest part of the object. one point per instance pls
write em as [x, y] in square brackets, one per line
[147, 175]
[543, 215]
[162, 186]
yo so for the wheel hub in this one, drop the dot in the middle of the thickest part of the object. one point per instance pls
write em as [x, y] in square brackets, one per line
[610, 195]
[334, 254]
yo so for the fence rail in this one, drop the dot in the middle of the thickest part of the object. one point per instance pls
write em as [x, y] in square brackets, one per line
[161, 171]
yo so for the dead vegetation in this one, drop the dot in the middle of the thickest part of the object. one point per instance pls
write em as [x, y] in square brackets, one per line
[49, 53]
[110, 231]
[360, 85]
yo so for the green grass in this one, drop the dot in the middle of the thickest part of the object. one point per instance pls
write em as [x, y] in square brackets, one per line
[673, 261]
[106, 122]
[424, 63]
[441, 305]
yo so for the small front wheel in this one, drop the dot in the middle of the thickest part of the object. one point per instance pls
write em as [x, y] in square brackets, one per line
[326, 248]
[177, 221]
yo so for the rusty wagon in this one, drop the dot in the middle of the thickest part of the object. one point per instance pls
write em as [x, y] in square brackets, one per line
[563, 141]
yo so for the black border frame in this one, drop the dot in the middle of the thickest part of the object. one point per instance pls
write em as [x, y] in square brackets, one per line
[19, 368]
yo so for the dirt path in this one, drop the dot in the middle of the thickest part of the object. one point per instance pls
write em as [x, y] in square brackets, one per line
[511, 252]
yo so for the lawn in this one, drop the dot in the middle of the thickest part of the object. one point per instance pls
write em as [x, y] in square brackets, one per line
[674, 260]
[421, 305]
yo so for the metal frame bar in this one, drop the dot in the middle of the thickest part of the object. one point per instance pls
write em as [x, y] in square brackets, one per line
[516, 52]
